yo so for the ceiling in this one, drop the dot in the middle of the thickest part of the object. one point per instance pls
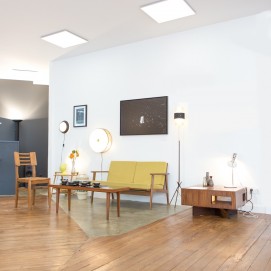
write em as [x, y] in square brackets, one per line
[104, 23]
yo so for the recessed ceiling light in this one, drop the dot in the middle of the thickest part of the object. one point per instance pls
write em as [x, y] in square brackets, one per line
[168, 10]
[20, 70]
[64, 39]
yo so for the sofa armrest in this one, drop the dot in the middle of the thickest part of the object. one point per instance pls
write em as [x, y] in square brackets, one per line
[159, 174]
[94, 172]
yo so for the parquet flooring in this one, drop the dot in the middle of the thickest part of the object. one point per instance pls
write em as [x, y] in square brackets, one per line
[41, 240]
[182, 242]
[36, 239]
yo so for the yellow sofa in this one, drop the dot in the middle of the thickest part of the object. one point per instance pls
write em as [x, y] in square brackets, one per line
[143, 178]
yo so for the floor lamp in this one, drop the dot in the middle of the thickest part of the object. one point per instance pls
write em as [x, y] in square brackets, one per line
[232, 164]
[179, 118]
[17, 129]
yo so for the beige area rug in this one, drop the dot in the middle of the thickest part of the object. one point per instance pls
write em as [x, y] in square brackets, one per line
[133, 214]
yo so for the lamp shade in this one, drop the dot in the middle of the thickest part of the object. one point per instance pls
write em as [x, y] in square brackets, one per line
[100, 140]
[179, 118]
[233, 163]
[64, 127]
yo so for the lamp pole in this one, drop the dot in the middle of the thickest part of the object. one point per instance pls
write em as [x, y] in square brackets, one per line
[17, 129]
[178, 117]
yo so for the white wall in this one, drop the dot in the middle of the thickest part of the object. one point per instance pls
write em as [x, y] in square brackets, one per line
[219, 75]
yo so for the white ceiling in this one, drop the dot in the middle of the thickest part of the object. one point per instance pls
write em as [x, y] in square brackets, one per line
[104, 23]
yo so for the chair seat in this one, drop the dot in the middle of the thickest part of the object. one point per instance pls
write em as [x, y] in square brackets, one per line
[29, 183]
[34, 180]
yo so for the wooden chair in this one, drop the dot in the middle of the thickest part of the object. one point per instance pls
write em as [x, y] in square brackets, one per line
[33, 182]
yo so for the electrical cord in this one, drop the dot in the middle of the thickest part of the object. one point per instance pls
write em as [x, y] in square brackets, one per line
[63, 145]
[249, 213]
[101, 166]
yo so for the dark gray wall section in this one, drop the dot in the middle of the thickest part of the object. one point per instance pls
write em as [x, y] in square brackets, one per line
[7, 176]
[7, 129]
[34, 137]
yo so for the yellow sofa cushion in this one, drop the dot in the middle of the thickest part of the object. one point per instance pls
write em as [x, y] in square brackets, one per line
[136, 186]
[143, 170]
[121, 172]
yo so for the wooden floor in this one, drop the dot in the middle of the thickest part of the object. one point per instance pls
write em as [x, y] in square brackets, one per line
[181, 242]
[40, 240]
[36, 239]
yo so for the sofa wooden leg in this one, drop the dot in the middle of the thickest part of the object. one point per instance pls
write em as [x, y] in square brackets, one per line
[167, 198]
[151, 200]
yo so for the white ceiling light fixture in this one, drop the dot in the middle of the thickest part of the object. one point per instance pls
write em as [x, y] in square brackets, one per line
[64, 39]
[168, 10]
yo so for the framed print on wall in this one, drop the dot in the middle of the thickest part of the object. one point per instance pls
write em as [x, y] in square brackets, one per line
[80, 116]
[144, 116]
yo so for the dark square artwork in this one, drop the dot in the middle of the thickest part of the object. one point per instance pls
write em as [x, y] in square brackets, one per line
[144, 116]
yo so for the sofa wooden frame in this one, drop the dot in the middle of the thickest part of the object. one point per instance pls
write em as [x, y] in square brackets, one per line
[142, 192]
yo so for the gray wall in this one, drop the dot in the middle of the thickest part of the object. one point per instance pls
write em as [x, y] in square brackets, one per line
[7, 176]
[34, 137]
[7, 129]
[29, 103]
[23, 100]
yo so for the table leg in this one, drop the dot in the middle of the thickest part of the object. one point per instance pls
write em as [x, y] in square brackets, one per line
[69, 199]
[49, 196]
[92, 196]
[57, 199]
[118, 203]
[107, 204]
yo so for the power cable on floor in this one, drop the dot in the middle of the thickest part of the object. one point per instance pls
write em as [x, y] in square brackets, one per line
[249, 213]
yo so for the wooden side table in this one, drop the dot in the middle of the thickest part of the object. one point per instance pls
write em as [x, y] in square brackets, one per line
[61, 175]
[216, 200]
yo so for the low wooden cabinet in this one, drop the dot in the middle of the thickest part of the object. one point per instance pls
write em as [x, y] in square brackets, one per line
[214, 200]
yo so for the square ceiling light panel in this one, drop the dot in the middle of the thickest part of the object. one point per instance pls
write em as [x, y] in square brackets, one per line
[64, 39]
[168, 10]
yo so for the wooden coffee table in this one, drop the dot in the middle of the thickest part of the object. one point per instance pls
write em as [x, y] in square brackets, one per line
[105, 189]
[216, 200]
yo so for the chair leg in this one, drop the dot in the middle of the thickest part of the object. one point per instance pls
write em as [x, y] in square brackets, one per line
[16, 194]
[33, 195]
[29, 195]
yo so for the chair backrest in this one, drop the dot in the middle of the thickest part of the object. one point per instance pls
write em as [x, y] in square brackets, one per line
[25, 159]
